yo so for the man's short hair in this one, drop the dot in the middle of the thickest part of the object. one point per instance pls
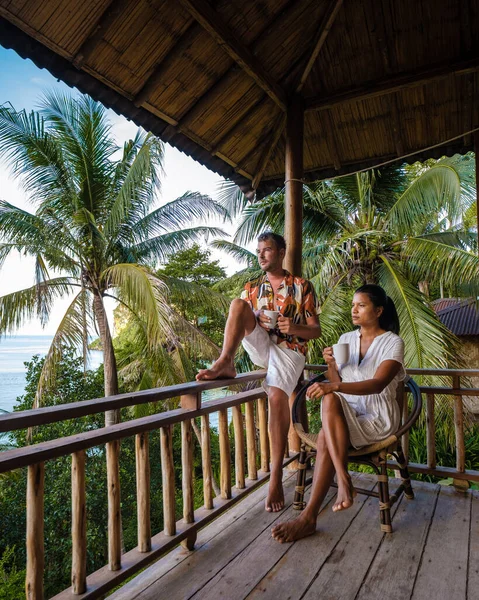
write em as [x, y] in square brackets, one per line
[277, 239]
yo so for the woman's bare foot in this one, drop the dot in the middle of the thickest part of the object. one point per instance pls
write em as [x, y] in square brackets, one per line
[275, 498]
[221, 369]
[346, 493]
[293, 530]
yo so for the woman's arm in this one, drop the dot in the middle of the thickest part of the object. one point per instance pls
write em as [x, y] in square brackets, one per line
[332, 374]
[385, 373]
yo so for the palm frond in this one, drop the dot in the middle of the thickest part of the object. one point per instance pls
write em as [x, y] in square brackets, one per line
[231, 198]
[239, 253]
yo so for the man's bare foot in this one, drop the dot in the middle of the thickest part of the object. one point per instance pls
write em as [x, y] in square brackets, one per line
[346, 493]
[221, 369]
[275, 498]
[293, 530]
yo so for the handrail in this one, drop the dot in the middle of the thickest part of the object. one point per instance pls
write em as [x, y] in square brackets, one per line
[30, 455]
[60, 412]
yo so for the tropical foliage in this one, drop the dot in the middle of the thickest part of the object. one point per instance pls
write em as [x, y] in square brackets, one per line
[94, 232]
[401, 227]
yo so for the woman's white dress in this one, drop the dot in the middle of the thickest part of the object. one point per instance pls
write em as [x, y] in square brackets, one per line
[373, 417]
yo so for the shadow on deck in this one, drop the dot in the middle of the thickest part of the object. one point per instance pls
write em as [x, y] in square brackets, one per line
[432, 553]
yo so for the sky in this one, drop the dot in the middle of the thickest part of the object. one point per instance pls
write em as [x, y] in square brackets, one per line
[22, 84]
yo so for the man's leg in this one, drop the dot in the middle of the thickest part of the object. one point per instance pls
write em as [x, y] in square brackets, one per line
[278, 430]
[305, 524]
[240, 323]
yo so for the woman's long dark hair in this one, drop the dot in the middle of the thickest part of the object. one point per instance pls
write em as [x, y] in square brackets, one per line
[388, 320]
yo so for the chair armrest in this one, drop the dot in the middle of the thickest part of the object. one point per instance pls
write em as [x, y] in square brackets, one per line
[301, 398]
[416, 407]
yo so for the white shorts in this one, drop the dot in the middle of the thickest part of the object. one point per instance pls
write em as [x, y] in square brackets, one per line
[284, 365]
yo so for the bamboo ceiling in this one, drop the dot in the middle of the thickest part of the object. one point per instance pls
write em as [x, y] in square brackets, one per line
[381, 79]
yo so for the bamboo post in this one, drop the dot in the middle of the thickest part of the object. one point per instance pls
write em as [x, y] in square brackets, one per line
[263, 434]
[459, 426]
[142, 443]
[251, 440]
[187, 471]
[206, 462]
[405, 412]
[168, 479]
[35, 539]
[78, 523]
[293, 210]
[430, 432]
[239, 447]
[225, 460]
[114, 508]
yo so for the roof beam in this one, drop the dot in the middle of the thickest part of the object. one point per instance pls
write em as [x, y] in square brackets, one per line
[211, 21]
[113, 9]
[324, 28]
[390, 85]
[270, 145]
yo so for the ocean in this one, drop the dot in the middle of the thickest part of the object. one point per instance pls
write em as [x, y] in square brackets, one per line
[16, 350]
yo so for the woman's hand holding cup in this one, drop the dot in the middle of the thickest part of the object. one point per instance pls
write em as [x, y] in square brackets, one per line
[328, 356]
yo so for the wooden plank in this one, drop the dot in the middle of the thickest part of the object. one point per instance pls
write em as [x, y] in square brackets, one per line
[114, 506]
[35, 528]
[168, 480]
[321, 35]
[343, 571]
[400, 553]
[52, 414]
[459, 427]
[207, 561]
[251, 440]
[292, 575]
[473, 571]
[388, 85]
[211, 21]
[239, 447]
[237, 514]
[225, 460]
[21, 457]
[143, 491]
[443, 569]
[78, 523]
[440, 471]
[206, 462]
[112, 11]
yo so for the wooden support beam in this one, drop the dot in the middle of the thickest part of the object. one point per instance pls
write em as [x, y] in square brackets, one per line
[35, 527]
[393, 84]
[269, 146]
[113, 9]
[211, 21]
[293, 226]
[321, 35]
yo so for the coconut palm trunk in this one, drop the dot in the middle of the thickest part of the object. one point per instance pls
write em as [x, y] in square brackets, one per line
[109, 362]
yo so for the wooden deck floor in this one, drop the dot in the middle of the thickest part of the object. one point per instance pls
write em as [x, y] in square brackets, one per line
[432, 554]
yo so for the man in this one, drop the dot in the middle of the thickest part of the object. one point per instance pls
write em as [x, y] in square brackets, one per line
[281, 350]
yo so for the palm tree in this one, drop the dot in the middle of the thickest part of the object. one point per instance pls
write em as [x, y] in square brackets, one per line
[93, 232]
[401, 227]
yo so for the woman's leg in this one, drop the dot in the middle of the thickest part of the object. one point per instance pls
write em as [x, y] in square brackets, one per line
[336, 434]
[305, 524]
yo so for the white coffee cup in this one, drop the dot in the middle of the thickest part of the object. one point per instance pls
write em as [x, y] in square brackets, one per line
[341, 353]
[273, 315]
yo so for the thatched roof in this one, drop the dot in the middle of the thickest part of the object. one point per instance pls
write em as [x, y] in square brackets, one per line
[381, 79]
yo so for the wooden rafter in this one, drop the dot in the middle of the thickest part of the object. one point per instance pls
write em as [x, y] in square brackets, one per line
[113, 9]
[269, 146]
[390, 85]
[211, 21]
[323, 30]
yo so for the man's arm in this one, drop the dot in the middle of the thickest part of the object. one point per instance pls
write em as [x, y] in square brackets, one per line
[310, 331]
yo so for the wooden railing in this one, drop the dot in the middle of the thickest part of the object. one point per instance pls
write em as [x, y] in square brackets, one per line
[248, 476]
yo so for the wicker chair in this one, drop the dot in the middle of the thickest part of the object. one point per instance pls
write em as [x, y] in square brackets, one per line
[374, 455]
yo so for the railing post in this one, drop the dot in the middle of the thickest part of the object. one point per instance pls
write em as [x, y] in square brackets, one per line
[459, 484]
[239, 447]
[225, 458]
[35, 539]
[78, 523]
[114, 507]
[142, 444]
[251, 440]
[263, 434]
[168, 479]
[430, 432]
[188, 402]
[206, 462]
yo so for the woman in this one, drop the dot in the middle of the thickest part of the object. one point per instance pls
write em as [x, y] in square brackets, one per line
[359, 404]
